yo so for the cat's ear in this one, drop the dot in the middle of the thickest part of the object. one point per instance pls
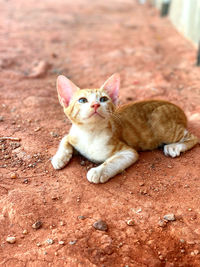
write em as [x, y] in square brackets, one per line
[65, 89]
[111, 86]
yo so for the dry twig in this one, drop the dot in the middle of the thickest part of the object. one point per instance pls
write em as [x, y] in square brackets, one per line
[9, 138]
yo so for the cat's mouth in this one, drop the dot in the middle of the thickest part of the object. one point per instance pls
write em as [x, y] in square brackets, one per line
[96, 114]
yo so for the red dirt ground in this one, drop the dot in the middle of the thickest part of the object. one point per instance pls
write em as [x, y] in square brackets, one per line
[88, 41]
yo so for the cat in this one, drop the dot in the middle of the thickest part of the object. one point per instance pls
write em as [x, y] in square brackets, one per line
[110, 135]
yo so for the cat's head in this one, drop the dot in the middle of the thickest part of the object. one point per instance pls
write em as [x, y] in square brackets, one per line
[88, 106]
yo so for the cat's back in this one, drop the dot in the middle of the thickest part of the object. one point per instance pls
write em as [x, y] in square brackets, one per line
[138, 121]
[143, 110]
[146, 107]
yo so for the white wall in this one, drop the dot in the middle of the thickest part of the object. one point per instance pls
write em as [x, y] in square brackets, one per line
[185, 15]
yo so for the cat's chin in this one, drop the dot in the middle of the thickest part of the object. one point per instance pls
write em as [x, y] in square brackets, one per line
[96, 114]
[95, 119]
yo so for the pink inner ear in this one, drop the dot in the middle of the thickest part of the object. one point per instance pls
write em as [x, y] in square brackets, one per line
[65, 89]
[111, 86]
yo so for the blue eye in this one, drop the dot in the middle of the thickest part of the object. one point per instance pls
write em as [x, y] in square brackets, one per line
[82, 100]
[103, 99]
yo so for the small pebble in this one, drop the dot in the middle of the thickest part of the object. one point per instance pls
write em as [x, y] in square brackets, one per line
[191, 242]
[25, 181]
[161, 257]
[81, 217]
[139, 210]
[182, 240]
[50, 241]
[13, 175]
[45, 253]
[37, 129]
[100, 225]
[82, 162]
[143, 192]
[195, 252]
[182, 250]
[55, 197]
[169, 217]
[72, 242]
[56, 253]
[62, 223]
[1, 118]
[54, 134]
[120, 245]
[38, 245]
[25, 232]
[31, 165]
[130, 222]
[4, 166]
[162, 223]
[37, 225]
[11, 239]
[61, 242]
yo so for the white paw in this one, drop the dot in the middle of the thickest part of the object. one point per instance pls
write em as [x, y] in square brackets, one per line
[174, 150]
[97, 175]
[59, 162]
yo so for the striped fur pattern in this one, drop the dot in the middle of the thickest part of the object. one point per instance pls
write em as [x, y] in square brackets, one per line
[110, 135]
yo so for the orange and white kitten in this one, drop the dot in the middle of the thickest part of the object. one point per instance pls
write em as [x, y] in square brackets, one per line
[111, 135]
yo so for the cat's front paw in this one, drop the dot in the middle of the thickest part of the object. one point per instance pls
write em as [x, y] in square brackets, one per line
[97, 175]
[59, 162]
[174, 150]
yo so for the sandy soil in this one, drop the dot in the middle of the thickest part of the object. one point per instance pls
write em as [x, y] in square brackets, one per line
[88, 41]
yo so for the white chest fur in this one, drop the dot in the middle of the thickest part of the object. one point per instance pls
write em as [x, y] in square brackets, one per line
[91, 143]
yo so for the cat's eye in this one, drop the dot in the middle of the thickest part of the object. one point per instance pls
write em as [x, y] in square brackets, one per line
[82, 100]
[103, 99]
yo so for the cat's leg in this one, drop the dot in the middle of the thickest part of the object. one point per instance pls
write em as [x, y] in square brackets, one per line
[112, 166]
[63, 154]
[187, 142]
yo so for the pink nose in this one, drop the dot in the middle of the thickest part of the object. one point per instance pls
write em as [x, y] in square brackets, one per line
[95, 105]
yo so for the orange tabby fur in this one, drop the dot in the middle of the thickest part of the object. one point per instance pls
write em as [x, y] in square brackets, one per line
[103, 133]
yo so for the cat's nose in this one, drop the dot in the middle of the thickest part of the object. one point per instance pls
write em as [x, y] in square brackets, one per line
[95, 105]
